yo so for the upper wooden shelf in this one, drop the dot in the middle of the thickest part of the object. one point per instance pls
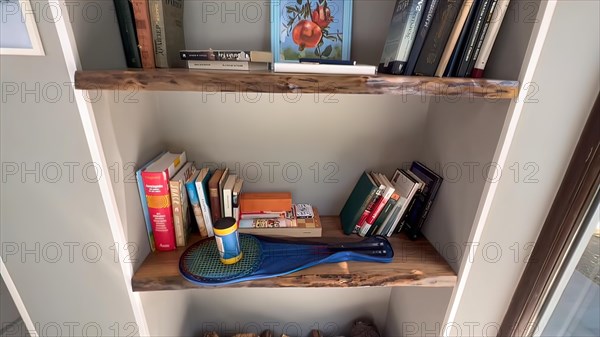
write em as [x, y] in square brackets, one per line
[416, 263]
[268, 82]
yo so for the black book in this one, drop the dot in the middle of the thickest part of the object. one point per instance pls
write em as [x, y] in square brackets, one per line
[421, 204]
[479, 43]
[124, 11]
[475, 30]
[462, 40]
[426, 21]
[438, 35]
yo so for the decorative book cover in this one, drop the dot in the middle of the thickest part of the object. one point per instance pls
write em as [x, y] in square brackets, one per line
[179, 202]
[156, 186]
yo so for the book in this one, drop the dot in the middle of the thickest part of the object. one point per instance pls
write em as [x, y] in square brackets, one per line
[228, 195]
[357, 202]
[190, 186]
[141, 14]
[202, 190]
[469, 48]
[220, 185]
[262, 215]
[401, 35]
[213, 193]
[144, 203]
[456, 54]
[156, 187]
[303, 227]
[490, 38]
[265, 202]
[179, 203]
[307, 68]
[453, 38]
[385, 213]
[422, 206]
[381, 202]
[440, 30]
[481, 37]
[415, 51]
[373, 203]
[124, 12]
[235, 197]
[228, 65]
[227, 55]
[303, 211]
[167, 31]
[407, 187]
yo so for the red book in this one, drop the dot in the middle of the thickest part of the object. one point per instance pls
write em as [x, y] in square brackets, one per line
[156, 185]
[141, 14]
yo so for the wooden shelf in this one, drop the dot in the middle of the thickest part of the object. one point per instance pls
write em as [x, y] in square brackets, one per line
[416, 263]
[268, 82]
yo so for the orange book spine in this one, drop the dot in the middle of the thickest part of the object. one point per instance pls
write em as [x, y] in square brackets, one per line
[141, 14]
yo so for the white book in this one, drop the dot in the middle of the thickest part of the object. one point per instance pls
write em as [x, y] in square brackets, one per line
[490, 36]
[228, 195]
[228, 65]
[406, 187]
[201, 189]
[290, 67]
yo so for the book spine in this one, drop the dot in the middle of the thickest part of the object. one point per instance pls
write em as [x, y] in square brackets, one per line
[369, 209]
[206, 210]
[215, 55]
[124, 14]
[157, 18]
[389, 206]
[490, 38]
[437, 38]
[417, 46]
[219, 65]
[156, 187]
[479, 43]
[459, 25]
[176, 204]
[227, 205]
[454, 61]
[403, 29]
[196, 209]
[140, 184]
[141, 15]
[375, 213]
[215, 204]
[473, 37]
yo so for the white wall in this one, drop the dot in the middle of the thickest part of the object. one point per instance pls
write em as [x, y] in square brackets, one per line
[545, 138]
[56, 242]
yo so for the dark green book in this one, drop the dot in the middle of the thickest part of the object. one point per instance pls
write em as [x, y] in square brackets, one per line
[124, 11]
[358, 200]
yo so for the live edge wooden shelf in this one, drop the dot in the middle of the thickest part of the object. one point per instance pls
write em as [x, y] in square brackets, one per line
[416, 263]
[269, 82]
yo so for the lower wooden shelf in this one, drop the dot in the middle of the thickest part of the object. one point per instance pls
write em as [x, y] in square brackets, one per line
[416, 263]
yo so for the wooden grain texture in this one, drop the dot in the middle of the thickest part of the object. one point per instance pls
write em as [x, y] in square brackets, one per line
[268, 82]
[416, 263]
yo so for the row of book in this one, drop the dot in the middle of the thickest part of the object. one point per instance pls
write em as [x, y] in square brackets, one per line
[240, 60]
[451, 38]
[175, 194]
[381, 206]
[151, 32]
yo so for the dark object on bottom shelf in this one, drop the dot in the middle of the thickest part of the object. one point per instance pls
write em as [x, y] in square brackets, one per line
[364, 329]
[265, 257]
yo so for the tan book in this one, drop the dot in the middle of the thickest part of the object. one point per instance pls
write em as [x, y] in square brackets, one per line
[305, 228]
[179, 203]
[453, 39]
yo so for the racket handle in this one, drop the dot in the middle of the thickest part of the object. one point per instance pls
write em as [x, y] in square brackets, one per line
[356, 246]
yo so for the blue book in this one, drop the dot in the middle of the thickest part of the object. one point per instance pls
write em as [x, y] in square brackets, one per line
[144, 202]
[190, 186]
[201, 193]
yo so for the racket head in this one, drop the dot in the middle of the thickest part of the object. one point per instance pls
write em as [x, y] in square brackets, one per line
[200, 262]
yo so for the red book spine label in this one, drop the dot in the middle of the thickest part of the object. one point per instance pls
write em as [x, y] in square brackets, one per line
[367, 212]
[376, 210]
[156, 186]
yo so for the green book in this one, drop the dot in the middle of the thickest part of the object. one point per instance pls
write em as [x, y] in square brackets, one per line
[124, 13]
[387, 209]
[357, 202]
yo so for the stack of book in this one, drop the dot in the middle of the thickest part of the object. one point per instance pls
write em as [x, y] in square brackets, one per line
[382, 206]
[172, 190]
[442, 37]
[227, 59]
[273, 214]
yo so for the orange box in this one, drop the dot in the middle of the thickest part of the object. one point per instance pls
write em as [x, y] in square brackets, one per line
[265, 202]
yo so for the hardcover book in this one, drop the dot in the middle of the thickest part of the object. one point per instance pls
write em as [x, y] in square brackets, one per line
[486, 25]
[490, 38]
[215, 200]
[228, 65]
[424, 26]
[144, 203]
[304, 227]
[179, 203]
[124, 12]
[141, 13]
[357, 202]
[401, 35]
[437, 38]
[156, 186]
[235, 197]
[456, 54]
[407, 187]
[469, 48]
[167, 32]
[220, 185]
[420, 209]
[266, 202]
[453, 38]
[227, 55]
[388, 190]
[228, 195]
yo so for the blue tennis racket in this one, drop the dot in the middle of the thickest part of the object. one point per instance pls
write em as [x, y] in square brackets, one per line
[266, 257]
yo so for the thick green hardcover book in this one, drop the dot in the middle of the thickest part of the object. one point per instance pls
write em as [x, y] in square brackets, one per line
[124, 13]
[357, 202]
